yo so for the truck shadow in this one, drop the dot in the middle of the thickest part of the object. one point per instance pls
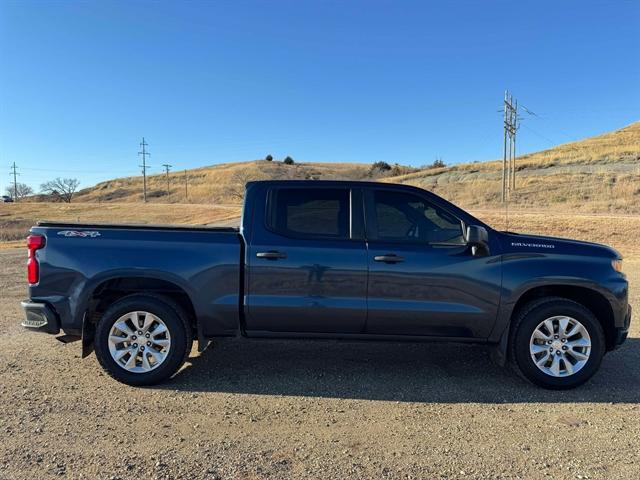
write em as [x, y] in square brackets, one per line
[405, 372]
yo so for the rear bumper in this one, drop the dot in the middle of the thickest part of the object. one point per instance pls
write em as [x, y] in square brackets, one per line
[40, 317]
[622, 332]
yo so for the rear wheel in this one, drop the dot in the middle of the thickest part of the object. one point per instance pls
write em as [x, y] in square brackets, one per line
[142, 339]
[557, 343]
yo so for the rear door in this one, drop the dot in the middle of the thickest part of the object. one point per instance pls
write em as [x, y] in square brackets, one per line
[307, 262]
[423, 279]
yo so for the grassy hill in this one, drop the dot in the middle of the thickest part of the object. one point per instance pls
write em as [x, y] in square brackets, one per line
[598, 174]
[223, 183]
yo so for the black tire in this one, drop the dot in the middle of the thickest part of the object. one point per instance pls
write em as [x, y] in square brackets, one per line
[176, 322]
[527, 321]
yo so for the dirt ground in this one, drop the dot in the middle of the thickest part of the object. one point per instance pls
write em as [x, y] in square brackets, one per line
[303, 409]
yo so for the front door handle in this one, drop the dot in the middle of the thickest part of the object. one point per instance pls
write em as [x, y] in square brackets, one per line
[389, 258]
[271, 255]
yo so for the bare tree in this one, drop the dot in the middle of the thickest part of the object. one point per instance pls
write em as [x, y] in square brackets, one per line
[237, 181]
[21, 190]
[62, 188]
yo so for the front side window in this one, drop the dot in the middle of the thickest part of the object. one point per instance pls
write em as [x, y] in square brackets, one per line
[404, 217]
[310, 212]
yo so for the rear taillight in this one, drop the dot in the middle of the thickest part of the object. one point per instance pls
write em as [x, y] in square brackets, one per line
[34, 242]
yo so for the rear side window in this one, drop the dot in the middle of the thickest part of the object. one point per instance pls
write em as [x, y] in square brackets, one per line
[309, 212]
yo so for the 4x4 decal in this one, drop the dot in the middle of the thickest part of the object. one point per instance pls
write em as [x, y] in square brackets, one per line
[77, 233]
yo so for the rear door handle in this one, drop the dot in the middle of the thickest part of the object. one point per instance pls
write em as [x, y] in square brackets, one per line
[271, 255]
[389, 258]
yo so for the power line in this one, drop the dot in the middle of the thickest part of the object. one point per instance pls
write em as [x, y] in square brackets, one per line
[541, 136]
[144, 167]
[166, 169]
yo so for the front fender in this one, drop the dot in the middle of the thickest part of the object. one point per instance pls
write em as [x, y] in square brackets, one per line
[524, 272]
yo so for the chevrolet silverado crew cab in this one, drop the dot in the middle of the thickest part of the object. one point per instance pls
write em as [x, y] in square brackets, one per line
[328, 259]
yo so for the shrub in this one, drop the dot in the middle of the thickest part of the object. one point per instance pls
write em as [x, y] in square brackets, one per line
[288, 161]
[268, 158]
[382, 166]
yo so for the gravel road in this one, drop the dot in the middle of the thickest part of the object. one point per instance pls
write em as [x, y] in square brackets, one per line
[330, 410]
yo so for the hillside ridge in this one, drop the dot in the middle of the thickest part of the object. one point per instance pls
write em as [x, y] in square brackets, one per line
[599, 173]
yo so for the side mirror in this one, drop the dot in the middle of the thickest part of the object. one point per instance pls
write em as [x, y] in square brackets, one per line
[478, 239]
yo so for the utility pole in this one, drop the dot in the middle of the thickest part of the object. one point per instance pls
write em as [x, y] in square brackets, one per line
[166, 169]
[504, 158]
[511, 126]
[513, 152]
[186, 191]
[15, 173]
[144, 167]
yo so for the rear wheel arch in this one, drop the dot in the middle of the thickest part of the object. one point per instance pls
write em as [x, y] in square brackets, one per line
[114, 289]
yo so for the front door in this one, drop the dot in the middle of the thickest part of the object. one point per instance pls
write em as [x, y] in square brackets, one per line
[423, 279]
[307, 264]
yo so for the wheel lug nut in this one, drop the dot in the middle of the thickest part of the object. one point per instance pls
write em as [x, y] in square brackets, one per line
[549, 342]
[555, 336]
[558, 352]
[142, 349]
[148, 344]
[135, 345]
[133, 337]
[551, 350]
[148, 335]
[140, 333]
[564, 340]
[564, 347]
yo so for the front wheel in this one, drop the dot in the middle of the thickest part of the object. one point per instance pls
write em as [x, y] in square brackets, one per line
[557, 343]
[142, 340]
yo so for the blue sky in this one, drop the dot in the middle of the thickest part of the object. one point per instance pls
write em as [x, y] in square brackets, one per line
[353, 81]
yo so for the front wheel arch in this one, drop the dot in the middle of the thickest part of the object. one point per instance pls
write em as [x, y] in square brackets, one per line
[589, 298]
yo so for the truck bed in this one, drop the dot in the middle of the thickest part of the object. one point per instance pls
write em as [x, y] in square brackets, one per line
[137, 226]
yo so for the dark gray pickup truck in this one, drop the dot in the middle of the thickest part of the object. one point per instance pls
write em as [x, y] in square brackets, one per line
[315, 259]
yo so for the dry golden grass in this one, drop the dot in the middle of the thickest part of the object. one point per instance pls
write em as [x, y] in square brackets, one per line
[599, 174]
[560, 189]
[218, 183]
[616, 230]
[619, 231]
[15, 219]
